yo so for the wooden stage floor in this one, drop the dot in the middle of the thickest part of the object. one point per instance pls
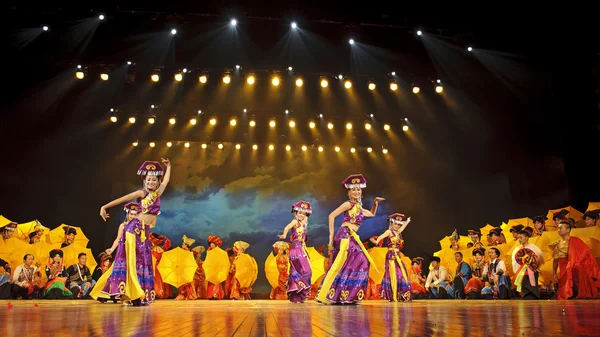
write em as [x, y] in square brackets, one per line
[282, 318]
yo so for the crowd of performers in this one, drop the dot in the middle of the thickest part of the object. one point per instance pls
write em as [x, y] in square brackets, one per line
[129, 270]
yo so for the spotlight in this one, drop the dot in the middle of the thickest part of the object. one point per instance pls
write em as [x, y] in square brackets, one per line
[271, 147]
[169, 144]
[393, 86]
[439, 88]
[186, 144]
[320, 149]
[340, 76]
[287, 147]
[419, 32]
[80, 75]
[79, 66]
[250, 79]
[252, 123]
[287, 112]
[204, 146]
[393, 73]
[275, 81]
[386, 127]
[372, 86]
[172, 120]
[220, 146]
[312, 124]
[203, 78]
[245, 110]
[128, 63]
[368, 126]
[415, 89]
[114, 118]
[136, 143]
[290, 68]
[178, 77]
[299, 82]
[294, 25]
[384, 151]
[352, 150]
[213, 121]
[320, 115]
[226, 79]
[184, 70]
[324, 82]
[152, 144]
[100, 17]
[173, 31]
[233, 22]
[233, 122]
[272, 123]
[330, 125]
[45, 28]
[237, 66]
[254, 147]
[470, 48]
[349, 126]
[438, 81]
[351, 41]
[404, 127]
[369, 150]
[152, 119]
[155, 78]
[238, 146]
[104, 77]
[371, 115]
[337, 149]
[304, 148]
[132, 120]
[193, 121]
[199, 112]
[347, 84]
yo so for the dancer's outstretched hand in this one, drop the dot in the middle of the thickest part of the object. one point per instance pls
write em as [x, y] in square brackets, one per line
[103, 214]
[378, 199]
[166, 162]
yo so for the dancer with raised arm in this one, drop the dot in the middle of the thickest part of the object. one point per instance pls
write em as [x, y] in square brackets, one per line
[299, 281]
[395, 285]
[348, 277]
[131, 275]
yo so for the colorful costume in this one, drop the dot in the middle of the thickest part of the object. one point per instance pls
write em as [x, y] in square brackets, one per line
[187, 291]
[495, 274]
[80, 280]
[283, 265]
[542, 221]
[578, 272]
[298, 287]
[68, 239]
[132, 273]
[199, 275]
[475, 284]
[56, 288]
[526, 261]
[4, 280]
[416, 284]
[395, 284]
[437, 281]
[7, 228]
[348, 276]
[214, 291]
[160, 244]
[26, 282]
[239, 292]
[461, 278]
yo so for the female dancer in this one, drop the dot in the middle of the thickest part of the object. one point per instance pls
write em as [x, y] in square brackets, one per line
[160, 244]
[187, 291]
[417, 281]
[214, 291]
[348, 277]
[395, 283]
[298, 287]
[283, 265]
[133, 256]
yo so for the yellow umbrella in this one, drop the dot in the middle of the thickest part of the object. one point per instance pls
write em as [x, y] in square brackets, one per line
[246, 270]
[317, 263]
[216, 265]
[72, 251]
[592, 206]
[376, 270]
[24, 229]
[485, 230]
[462, 242]
[271, 271]
[58, 235]
[177, 267]
[13, 251]
[573, 213]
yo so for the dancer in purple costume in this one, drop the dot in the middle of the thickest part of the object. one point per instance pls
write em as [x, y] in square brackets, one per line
[348, 276]
[299, 281]
[132, 275]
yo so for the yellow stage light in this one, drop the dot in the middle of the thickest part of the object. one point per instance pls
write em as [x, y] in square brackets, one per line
[226, 79]
[155, 78]
[275, 81]
[213, 121]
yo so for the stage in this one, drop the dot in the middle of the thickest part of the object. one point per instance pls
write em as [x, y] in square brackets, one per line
[281, 318]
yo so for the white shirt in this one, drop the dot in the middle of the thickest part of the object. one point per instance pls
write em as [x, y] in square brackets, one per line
[500, 266]
[533, 248]
[18, 271]
[436, 276]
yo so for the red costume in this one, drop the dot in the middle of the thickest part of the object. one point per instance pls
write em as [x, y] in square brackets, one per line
[578, 268]
[160, 244]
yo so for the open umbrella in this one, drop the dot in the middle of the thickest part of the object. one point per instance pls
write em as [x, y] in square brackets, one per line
[24, 229]
[592, 206]
[177, 267]
[271, 271]
[13, 251]
[317, 263]
[216, 266]
[58, 235]
[71, 253]
[246, 270]
[485, 230]
[378, 256]
[573, 213]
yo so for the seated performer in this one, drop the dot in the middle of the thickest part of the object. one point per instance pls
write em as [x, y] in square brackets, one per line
[475, 236]
[80, 278]
[475, 284]
[437, 280]
[4, 280]
[7, 228]
[497, 284]
[575, 270]
[26, 280]
[70, 234]
[514, 230]
[56, 288]
[591, 217]
[497, 237]
[454, 239]
[527, 258]
[461, 278]
[417, 281]
[539, 222]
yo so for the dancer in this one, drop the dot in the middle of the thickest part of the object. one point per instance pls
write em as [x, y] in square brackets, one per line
[187, 291]
[214, 291]
[283, 265]
[131, 209]
[417, 280]
[131, 275]
[298, 287]
[348, 277]
[395, 284]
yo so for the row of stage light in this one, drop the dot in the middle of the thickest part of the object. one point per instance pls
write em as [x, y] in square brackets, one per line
[271, 147]
[252, 122]
[275, 80]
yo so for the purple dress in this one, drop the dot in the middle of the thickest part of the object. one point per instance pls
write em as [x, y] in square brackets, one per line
[132, 274]
[395, 285]
[298, 287]
[348, 276]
